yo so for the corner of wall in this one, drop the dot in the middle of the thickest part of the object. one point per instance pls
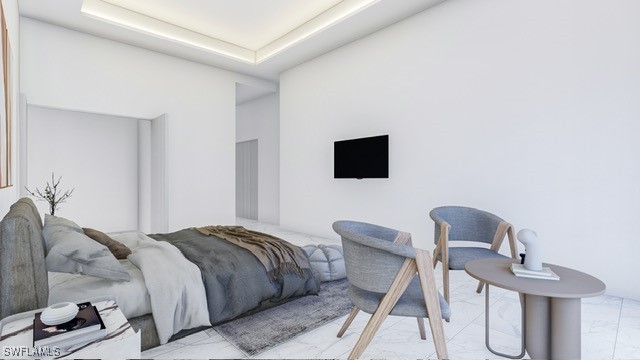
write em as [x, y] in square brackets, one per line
[12, 17]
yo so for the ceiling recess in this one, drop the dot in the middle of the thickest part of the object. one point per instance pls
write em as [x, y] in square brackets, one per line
[136, 21]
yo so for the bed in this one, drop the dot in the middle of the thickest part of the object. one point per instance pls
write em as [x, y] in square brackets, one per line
[25, 283]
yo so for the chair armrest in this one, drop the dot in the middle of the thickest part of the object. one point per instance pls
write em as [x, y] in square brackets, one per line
[437, 219]
[505, 228]
[403, 238]
[443, 245]
[444, 233]
[341, 227]
[407, 251]
[443, 226]
[513, 244]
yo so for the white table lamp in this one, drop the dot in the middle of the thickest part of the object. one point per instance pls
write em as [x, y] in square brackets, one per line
[533, 260]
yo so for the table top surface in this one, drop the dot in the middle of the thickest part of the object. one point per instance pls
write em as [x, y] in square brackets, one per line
[572, 283]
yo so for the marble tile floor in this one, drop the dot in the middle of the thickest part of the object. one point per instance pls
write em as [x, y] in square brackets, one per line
[610, 328]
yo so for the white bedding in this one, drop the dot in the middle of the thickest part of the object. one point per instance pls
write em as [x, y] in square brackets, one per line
[132, 296]
[170, 279]
[175, 286]
[163, 283]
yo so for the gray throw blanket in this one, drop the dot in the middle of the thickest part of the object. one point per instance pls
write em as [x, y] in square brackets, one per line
[276, 255]
[235, 281]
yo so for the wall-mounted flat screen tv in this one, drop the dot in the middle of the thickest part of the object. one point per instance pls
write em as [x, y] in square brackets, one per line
[361, 158]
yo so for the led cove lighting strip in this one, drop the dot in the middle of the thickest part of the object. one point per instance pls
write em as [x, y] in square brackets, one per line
[332, 16]
[132, 20]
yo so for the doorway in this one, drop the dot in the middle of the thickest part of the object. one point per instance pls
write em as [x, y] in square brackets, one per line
[247, 179]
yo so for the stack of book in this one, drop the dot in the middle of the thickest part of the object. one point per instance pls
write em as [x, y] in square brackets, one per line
[86, 327]
[546, 273]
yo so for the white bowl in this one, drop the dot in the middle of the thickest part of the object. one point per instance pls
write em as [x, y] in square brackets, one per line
[59, 313]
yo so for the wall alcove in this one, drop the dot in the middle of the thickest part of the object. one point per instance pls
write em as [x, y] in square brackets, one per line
[116, 164]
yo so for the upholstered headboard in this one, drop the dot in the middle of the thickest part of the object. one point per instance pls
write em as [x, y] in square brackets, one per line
[23, 275]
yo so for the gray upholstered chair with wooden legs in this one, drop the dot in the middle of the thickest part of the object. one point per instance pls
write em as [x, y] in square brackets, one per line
[458, 223]
[381, 267]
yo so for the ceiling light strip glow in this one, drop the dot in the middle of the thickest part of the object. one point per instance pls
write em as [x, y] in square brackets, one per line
[339, 12]
[141, 23]
[132, 20]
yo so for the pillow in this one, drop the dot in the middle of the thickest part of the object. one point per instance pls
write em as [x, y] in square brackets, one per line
[326, 260]
[71, 251]
[118, 249]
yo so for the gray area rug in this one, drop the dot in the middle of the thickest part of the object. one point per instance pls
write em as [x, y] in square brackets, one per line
[261, 331]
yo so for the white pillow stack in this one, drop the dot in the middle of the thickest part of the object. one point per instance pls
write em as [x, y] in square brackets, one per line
[71, 251]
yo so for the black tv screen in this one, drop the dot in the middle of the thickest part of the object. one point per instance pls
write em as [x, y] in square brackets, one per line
[361, 158]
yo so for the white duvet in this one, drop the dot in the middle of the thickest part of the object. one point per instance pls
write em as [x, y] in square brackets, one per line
[163, 282]
[132, 296]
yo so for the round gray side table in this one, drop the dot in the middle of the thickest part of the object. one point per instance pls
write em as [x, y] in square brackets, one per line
[551, 308]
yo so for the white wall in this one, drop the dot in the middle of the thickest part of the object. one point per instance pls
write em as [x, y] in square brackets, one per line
[260, 119]
[528, 109]
[96, 155]
[71, 70]
[9, 195]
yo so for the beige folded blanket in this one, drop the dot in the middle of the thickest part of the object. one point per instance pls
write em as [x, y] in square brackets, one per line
[276, 255]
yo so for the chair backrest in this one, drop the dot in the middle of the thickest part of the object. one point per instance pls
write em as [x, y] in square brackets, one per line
[467, 224]
[371, 258]
[23, 274]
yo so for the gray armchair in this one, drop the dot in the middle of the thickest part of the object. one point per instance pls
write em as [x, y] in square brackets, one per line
[458, 223]
[381, 267]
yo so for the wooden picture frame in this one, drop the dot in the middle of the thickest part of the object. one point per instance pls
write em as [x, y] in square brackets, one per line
[6, 111]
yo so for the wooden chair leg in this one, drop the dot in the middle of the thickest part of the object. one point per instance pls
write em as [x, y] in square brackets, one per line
[400, 283]
[513, 245]
[444, 233]
[349, 320]
[432, 301]
[423, 333]
[445, 282]
[436, 252]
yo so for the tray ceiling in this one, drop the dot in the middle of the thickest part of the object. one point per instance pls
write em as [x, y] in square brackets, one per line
[260, 37]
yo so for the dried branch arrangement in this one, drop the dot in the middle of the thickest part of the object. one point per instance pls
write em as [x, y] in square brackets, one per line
[51, 194]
